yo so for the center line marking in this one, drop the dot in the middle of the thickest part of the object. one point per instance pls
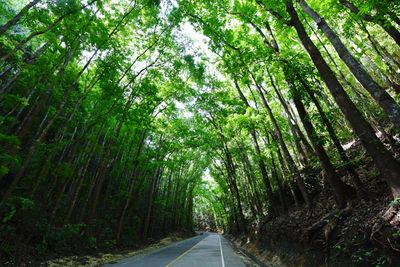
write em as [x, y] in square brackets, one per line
[222, 253]
[183, 254]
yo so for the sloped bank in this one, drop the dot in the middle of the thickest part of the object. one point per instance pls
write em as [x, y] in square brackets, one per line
[338, 243]
[366, 233]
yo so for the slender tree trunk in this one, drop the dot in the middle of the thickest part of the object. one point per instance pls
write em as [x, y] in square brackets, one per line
[47, 29]
[289, 181]
[189, 216]
[231, 176]
[289, 160]
[390, 62]
[300, 141]
[167, 207]
[80, 180]
[304, 142]
[382, 97]
[252, 182]
[383, 160]
[12, 22]
[133, 177]
[335, 139]
[343, 78]
[235, 190]
[337, 185]
[264, 173]
[150, 204]
[261, 162]
[278, 182]
[386, 25]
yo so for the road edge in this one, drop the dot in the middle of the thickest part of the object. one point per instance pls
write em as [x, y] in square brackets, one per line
[245, 252]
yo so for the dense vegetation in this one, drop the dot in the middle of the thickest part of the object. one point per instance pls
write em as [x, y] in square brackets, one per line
[117, 127]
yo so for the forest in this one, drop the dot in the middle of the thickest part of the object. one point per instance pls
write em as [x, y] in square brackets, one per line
[274, 121]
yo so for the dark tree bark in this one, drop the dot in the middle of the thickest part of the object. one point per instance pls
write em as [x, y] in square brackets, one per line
[382, 97]
[17, 17]
[382, 158]
[150, 203]
[47, 29]
[285, 171]
[335, 139]
[289, 160]
[261, 162]
[133, 178]
[386, 25]
[252, 181]
[273, 201]
[339, 188]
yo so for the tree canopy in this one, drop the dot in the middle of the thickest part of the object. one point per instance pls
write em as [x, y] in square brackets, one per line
[123, 121]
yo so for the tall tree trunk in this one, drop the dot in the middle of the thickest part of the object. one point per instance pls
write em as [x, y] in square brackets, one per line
[235, 190]
[289, 160]
[252, 181]
[292, 121]
[133, 177]
[285, 171]
[382, 97]
[271, 197]
[339, 188]
[304, 142]
[12, 22]
[47, 29]
[335, 139]
[383, 160]
[277, 178]
[80, 180]
[231, 176]
[386, 25]
[261, 162]
[150, 203]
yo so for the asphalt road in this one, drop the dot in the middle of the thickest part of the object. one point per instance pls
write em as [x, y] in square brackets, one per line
[209, 249]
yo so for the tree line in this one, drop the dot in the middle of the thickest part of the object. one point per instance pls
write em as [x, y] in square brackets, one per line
[96, 146]
[93, 150]
[310, 76]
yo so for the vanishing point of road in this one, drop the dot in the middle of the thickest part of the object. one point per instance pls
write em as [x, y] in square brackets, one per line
[209, 249]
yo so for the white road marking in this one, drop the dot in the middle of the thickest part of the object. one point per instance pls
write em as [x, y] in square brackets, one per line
[181, 256]
[222, 253]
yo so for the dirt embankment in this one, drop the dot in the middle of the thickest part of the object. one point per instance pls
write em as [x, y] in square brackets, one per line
[99, 258]
[366, 233]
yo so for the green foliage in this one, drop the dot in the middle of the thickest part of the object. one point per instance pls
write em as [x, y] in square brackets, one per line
[19, 203]
[8, 216]
[70, 237]
[117, 125]
[371, 257]
[395, 203]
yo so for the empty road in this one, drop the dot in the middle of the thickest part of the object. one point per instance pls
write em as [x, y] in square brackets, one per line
[209, 249]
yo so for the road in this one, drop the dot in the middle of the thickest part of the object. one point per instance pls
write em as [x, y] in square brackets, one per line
[209, 249]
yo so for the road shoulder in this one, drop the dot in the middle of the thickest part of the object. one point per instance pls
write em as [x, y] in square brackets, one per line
[248, 259]
[102, 258]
